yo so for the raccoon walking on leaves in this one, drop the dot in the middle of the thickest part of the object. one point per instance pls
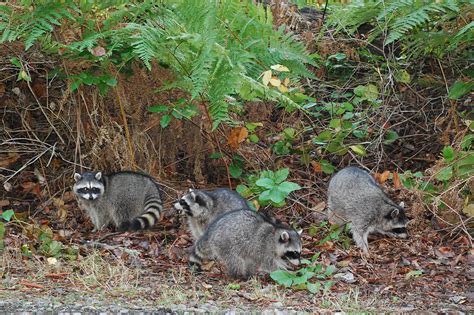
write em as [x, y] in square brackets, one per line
[202, 207]
[247, 243]
[355, 197]
[128, 200]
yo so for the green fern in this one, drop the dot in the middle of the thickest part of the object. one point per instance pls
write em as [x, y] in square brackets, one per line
[417, 24]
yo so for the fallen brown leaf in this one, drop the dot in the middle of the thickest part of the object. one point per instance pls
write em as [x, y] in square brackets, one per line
[31, 284]
[396, 181]
[317, 168]
[237, 135]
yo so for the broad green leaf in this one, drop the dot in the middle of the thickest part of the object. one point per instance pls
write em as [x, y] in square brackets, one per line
[7, 215]
[466, 142]
[266, 183]
[282, 277]
[413, 274]
[277, 195]
[390, 137]
[234, 286]
[216, 155]
[235, 170]
[445, 174]
[328, 286]
[313, 287]
[165, 121]
[288, 187]
[402, 76]
[327, 167]
[358, 149]
[111, 81]
[158, 109]
[15, 62]
[448, 153]
[243, 190]
[459, 88]
[254, 138]
[335, 123]
[264, 196]
[281, 175]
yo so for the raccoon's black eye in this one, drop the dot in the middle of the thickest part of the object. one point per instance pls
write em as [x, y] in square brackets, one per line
[82, 190]
[182, 202]
[292, 255]
[95, 190]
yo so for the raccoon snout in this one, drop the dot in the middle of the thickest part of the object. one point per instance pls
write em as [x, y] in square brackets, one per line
[293, 255]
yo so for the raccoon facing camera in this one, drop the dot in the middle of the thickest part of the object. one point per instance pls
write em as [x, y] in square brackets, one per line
[247, 243]
[354, 197]
[127, 200]
[202, 207]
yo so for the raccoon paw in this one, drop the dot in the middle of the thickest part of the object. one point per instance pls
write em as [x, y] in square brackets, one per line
[194, 267]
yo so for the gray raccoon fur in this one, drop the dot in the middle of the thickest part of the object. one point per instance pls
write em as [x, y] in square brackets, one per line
[355, 197]
[202, 207]
[128, 200]
[247, 243]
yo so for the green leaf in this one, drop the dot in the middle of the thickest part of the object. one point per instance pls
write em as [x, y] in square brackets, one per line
[459, 88]
[282, 277]
[466, 142]
[234, 286]
[281, 175]
[235, 170]
[335, 123]
[413, 274]
[448, 153]
[7, 215]
[158, 109]
[327, 167]
[358, 149]
[277, 195]
[15, 62]
[313, 287]
[254, 138]
[288, 187]
[328, 286]
[266, 183]
[264, 196]
[402, 76]
[216, 155]
[445, 174]
[165, 121]
[390, 137]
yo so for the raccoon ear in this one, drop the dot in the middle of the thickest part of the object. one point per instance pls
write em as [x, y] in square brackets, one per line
[402, 204]
[395, 213]
[98, 175]
[77, 176]
[284, 237]
[300, 231]
[191, 190]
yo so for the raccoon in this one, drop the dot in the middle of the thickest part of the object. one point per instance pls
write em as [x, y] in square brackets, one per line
[128, 200]
[202, 207]
[247, 243]
[355, 197]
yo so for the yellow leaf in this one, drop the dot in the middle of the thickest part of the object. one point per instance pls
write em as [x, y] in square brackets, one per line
[358, 149]
[267, 76]
[286, 81]
[275, 82]
[283, 88]
[280, 68]
[469, 210]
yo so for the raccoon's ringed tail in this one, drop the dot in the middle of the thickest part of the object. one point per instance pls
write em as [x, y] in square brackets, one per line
[146, 220]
